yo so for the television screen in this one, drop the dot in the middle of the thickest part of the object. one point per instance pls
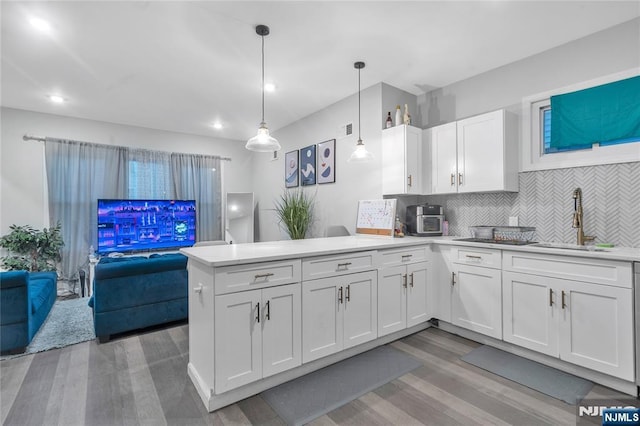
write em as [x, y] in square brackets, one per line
[145, 225]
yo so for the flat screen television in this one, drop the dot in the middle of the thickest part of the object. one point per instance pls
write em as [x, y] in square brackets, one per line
[126, 226]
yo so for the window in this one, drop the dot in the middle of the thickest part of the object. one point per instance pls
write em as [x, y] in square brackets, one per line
[536, 153]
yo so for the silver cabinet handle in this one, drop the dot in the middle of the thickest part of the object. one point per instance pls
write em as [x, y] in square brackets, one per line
[564, 305]
[406, 256]
[404, 281]
[198, 289]
[267, 275]
[411, 282]
[409, 181]
[347, 296]
[258, 311]
[268, 313]
[470, 256]
[453, 278]
[453, 179]
[340, 295]
[550, 297]
[459, 178]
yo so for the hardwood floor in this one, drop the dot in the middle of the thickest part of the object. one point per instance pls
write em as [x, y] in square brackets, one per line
[142, 380]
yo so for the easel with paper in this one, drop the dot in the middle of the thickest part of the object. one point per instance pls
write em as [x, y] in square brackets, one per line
[376, 217]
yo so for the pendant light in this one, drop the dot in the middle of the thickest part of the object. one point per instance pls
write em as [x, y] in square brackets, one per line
[360, 154]
[262, 142]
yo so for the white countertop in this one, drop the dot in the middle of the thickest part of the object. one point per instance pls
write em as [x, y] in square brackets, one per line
[233, 254]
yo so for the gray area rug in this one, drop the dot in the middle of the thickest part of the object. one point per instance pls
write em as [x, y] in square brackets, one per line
[308, 397]
[548, 380]
[68, 323]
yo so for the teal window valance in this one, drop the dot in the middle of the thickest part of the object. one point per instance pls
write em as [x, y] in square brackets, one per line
[604, 114]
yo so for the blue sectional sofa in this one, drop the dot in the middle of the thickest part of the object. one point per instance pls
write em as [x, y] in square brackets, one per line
[136, 292]
[26, 298]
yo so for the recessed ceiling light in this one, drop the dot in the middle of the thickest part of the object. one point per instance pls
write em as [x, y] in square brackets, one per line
[56, 99]
[217, 125]
[40, 24]
[270, 87]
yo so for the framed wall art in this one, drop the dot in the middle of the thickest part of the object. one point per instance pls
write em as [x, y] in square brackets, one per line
[308, 165]
[291, 169]
[327, 161]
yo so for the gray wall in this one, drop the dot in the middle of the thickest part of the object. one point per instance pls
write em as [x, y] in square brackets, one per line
[611, 192]
[23, 193]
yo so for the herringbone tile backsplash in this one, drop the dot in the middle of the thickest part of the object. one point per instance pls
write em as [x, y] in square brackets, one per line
[611, 204]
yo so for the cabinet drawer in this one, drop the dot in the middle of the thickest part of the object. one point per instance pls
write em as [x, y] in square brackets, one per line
[328, 266]
[405, 255]
[230, 279]
[590, 270]
[477, 256]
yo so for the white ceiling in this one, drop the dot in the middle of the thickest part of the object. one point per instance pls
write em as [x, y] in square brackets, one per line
[180, 66]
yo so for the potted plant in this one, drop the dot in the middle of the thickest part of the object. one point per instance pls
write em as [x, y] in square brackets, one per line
[295, 211]
[32, 249]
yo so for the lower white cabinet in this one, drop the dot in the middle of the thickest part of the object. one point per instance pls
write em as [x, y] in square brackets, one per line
[476, 303]
[338, 313]
[402, 297]
[586, 324]
[257, 334]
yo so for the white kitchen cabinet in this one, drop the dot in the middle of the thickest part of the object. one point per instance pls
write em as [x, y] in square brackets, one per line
[476, 302]
[401, 160]
[258, 334]
[338, 313]
[402, 297]
[577, 309]
[441, 287]
[476, 154]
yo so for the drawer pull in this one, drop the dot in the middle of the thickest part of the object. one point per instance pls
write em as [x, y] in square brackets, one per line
[564, 305]
[347, 296]
[470, 256]
[411, 282]
[267, 275]
[258, 312]
[550, 297]
[406, 257]
[198, 289]
[453, 278]
[344, 265]
[340, 295]
[268, 313]
[404, 281]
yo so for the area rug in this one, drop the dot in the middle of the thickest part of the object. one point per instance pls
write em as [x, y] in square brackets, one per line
[308, 397]
[552, 382]
[68, 323]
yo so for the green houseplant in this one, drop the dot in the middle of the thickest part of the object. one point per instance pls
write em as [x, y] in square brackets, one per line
[32, 249]
[295, 211]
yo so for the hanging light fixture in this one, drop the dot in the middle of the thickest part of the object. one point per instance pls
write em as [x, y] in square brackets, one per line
[360, 154]
[262, 142]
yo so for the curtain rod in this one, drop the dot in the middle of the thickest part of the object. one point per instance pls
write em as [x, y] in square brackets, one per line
[29, 137]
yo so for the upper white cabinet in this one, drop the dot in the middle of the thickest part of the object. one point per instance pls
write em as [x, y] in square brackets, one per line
[477, 154]
[401, 160]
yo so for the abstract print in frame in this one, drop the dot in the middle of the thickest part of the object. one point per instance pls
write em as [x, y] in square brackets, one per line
[308, 165]
[291, 169]
[327, 161]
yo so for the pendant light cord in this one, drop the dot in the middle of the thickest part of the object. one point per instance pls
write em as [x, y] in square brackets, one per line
[359, 121]
[262, 78]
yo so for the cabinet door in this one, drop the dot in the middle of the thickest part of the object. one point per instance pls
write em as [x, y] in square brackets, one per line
[417, 308]
[392, 300]
[481, 153]
[443, 145]
[281, 328]
[597, 328]
[401, 155]
[321, 319]
[530, 311]
[477, 300]
[238, 338]
[440, 288]
[360, 307]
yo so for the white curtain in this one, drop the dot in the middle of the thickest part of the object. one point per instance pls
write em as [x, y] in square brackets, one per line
[149, 174]
[78, 174]
[197, 177]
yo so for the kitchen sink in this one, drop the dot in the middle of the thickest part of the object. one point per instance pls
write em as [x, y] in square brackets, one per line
[566, 246]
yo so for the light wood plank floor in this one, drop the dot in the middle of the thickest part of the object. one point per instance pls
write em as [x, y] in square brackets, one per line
[142, 380]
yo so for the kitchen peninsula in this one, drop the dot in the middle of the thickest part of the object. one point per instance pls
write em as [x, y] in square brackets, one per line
[261, 314]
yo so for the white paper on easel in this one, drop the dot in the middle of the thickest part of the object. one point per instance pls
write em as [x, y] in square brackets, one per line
[376, 217]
